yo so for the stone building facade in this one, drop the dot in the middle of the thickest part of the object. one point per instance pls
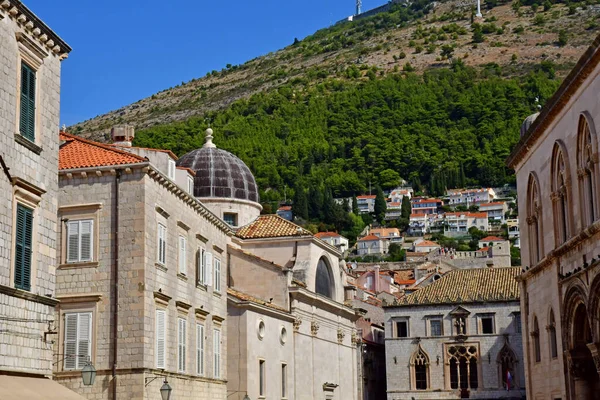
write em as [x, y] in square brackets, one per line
[556, 162]
[141, 277]
[29, 117]
[458, 337]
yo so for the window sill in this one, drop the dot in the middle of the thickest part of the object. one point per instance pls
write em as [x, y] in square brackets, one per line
[161, 267]
[87, 264]
[28, 143]
[182, 277]
[218, 294]
[201, 286]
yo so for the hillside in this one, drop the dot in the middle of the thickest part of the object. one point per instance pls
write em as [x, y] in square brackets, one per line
[514, 37]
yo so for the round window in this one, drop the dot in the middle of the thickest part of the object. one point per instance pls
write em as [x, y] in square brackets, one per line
[261, 329]
[283, 335]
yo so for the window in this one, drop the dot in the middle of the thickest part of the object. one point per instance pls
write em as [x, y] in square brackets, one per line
[487, 324]
[536, 340]
[324, 281]
[161, 334]
[587, 171]
[217, 275]
[435, 327]
[181, 342]
[80, 241]
[208, 262]
[230, 218]
[162, 244]
[23, 242]
[507, 362]
[261, 378]
[463, 367]
[552, 336]
[78, 340]
[517, 317]
[171, 170]
[190, 185]
[560, 197]
[200, 349]
[401, 329]
[182, 255]
[201, 267]
[217, 353]
[420, 365]
[27, 110]
[534, 221]
[283, 381]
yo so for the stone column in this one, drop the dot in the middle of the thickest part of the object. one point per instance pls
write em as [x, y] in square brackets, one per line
[595, 350]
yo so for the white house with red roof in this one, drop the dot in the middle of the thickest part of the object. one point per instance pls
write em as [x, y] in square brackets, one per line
[366, 203]
[490, 241]
[334, 239]
[372, 244]
[421, 205]
[398, 194]
[470, 196]
[425, 246]
[285, 212]
[496, 212]
[459, 223]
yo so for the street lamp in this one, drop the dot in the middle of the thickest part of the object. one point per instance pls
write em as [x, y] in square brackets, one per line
[165, 390]
[88, 374]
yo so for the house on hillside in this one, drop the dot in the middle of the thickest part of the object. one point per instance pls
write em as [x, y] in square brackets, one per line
[334, 239]
[391, 234]
[425, 246]
[496, 212]
[490, 241]
[366, 203]
[459, 223]
[418, 224]
[286, 213]
[421, 205]
[458, 337]
[393, 211]
[468, 197]
[398, 194]
[372, 245]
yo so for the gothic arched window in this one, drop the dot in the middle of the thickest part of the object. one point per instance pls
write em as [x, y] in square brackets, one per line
[552, 336]
[560, 195]
[586, 171]
[463, 367]
[420, 365]
[534, 221]
[507, 366]
[324, 279]
[536, 340]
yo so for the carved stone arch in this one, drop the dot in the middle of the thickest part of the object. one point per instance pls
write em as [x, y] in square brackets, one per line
[324, 278]
[575, 297]
[551, 330]
[419, 369]
[535, 336]
[594, 307]
[507, 363]
[534, 220]
[561, 193]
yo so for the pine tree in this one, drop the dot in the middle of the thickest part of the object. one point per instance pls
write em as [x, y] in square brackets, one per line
[329, 212]
[405, 209]
[315, 203]
[300, 206]
[355, 209]
[380, 205]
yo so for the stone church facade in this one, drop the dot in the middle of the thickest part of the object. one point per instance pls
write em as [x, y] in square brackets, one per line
[556, 162]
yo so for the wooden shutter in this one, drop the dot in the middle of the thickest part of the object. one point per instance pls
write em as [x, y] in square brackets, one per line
[160, 339]
[217, 263]
[70, 346]
[73, 241]
[217, 353]
[86, 240]
[84, 339]
[200, 349]
[27, 121]
[203, 265]
[24, 234]
[182, 255]
[208, 268]
[162, 243]
[181, 350]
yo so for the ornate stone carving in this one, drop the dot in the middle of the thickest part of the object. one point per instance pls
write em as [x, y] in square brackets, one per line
[314, 328]
[297, 322]
[340, 335]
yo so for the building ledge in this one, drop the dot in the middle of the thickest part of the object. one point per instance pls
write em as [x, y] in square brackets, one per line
[22, 294]
[28, 143]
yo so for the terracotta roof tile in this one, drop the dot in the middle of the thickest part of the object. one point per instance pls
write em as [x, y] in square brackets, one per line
[417, 215]
[469, 286]
[492, 239]
[270, 226]
[77, 152]
[322, 235]
[246, 297]
[285, 208]
[366, 196]
[369, 238]
[427, 243]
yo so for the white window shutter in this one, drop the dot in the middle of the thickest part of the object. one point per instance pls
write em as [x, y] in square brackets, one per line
[182, 255]
[84, 342]
[209, 268]
[160, 339]
[217, 353]
[86, 240]
[203, 265]
[217, 263]
[181, 345]
[70, 346]
[200, 349]
[72, 241]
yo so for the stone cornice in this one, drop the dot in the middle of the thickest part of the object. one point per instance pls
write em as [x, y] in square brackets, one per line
[22, 294]
[35, 27]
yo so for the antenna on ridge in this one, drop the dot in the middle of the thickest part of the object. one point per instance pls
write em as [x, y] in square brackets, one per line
[358, 7]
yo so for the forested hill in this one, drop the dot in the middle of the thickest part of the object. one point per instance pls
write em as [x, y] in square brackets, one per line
[425, 92]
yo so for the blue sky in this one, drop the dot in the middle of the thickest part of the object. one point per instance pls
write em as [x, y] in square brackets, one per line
[125, 50]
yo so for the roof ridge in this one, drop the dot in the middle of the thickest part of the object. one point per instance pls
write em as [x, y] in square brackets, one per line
[102, 146]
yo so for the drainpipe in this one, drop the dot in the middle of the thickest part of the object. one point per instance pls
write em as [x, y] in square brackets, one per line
[116, 284]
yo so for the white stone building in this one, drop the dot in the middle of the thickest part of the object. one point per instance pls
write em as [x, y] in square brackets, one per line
[29, 118]
[366, 203]
[459, 223]
[468, 197]
[556, 163]
[372, 245]
[334, 239]
[458, 336]
[496, 212]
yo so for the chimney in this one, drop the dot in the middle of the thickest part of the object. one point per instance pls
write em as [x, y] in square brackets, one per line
[122, 135]
[376, 283]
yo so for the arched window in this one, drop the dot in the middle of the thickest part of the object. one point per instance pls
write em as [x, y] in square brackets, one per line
[420, 365]
[534, 221]
[463, 367]
[552, 336]
[536, 340]
[560, 195]
[586, 171]
[507, 366]
[324, 280]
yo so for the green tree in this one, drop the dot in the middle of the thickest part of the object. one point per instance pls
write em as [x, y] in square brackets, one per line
[315, 203]
[405, 209]
[447, 51]
[380, 205]
[477, 34]
[562, 38]
[355, 209]
[300, 206]
[396, 253]
[389, 179]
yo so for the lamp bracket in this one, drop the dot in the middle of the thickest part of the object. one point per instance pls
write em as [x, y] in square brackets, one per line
[149, 379]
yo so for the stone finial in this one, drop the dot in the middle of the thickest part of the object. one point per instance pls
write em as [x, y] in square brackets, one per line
[209, 139]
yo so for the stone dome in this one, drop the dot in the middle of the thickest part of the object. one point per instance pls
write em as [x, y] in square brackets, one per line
[219, 174]
[528, 122]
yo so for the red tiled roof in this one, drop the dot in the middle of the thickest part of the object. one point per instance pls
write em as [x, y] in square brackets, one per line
[394, 204]
[406, 282]
[246, 297]
[426, 201]
[492, 239]
[426, 243]
[468, 214]
[77, 152]
[285, 208]
[369, 238]
[418, 215]
[322, 235]
[483, 249]
[270, 226]
[366, 197]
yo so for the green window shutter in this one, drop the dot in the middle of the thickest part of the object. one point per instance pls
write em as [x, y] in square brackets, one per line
[27, 122]
[23, 247]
